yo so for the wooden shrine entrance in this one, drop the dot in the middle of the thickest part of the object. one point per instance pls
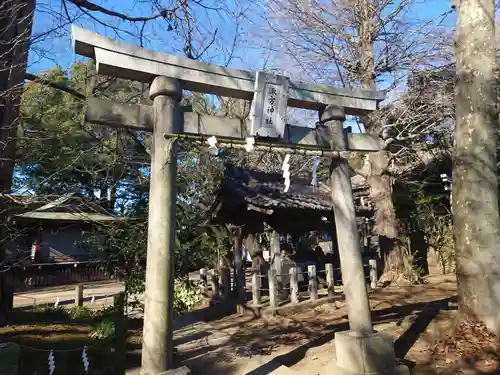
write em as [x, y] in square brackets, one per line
[266, 130]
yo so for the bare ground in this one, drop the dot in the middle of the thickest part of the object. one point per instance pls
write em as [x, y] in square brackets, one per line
[420, 318]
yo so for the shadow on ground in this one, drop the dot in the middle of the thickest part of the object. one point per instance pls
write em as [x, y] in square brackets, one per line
[403, 344]
[249, 336]
[207, 314]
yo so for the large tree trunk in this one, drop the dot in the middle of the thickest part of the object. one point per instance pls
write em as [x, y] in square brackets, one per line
[475, 186]
[16, 18]
[379, 181]
[385, 217]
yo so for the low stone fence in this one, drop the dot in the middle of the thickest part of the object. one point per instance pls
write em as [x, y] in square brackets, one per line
[55, 274]
[274, 290]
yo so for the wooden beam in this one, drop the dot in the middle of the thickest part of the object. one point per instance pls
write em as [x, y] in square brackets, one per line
[127, 61]
[266, 211]
[140, 117]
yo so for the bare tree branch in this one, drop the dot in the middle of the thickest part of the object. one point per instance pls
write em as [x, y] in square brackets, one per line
[163, 13]
[54, 85]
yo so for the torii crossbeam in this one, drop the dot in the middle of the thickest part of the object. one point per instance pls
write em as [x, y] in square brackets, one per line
[359, 351]
[122, 60]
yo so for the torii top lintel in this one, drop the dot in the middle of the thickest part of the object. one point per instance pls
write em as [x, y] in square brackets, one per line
[122, 60]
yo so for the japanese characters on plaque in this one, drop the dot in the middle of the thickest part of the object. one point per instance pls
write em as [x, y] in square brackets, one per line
[269, 106]
[270, 112]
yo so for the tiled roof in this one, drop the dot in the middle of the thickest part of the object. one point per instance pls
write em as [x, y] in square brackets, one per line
[66, 207]
[266, 190]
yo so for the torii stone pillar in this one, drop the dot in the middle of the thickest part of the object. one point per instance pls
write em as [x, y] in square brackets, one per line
[166, 94]
[360, 350]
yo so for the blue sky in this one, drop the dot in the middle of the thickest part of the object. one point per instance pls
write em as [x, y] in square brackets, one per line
[249, 53]
[57, 47]
[240, 18]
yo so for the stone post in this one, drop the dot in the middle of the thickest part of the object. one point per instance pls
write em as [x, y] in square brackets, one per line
[294, 285]
[256, 285]
[273, 288]
[166, 94]
[373, 273]
[9, 358]
[79, 295]
[120, 337]
[239, 271]
[366, 234]
[214, 285]
[275, 253]
[330, 279]
[225, 282]
[313, 282]
[360, 350]
[203, 281]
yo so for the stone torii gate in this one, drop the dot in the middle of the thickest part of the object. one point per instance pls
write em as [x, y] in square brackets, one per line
[359, 351]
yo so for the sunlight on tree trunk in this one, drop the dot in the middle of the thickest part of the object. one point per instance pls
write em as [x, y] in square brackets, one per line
[385, 216]
[380, 182]
[475, 184]
[15, 26]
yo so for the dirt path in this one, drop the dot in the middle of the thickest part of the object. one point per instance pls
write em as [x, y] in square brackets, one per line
[242, 344]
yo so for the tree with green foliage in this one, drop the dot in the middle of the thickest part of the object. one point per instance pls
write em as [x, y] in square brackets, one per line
[59, 153]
